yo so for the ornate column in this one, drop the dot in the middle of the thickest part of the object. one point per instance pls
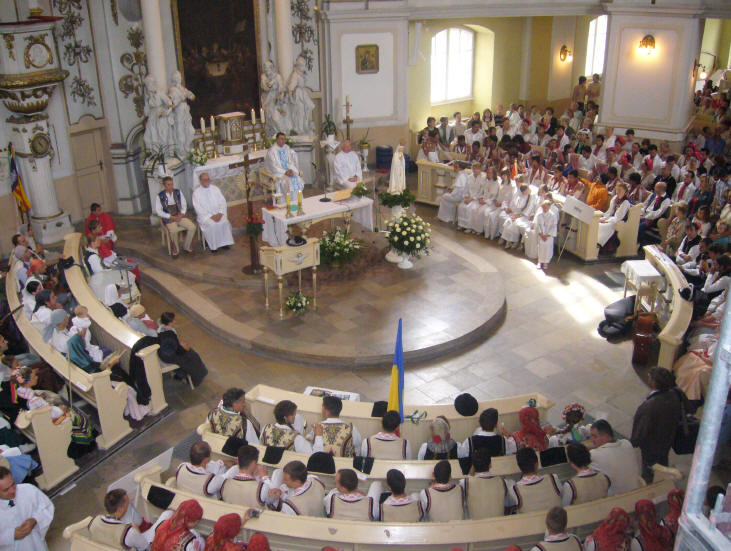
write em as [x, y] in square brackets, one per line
[29, 73]
[283, 29]
[154, 50]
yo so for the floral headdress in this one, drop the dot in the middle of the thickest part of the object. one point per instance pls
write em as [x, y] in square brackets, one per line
[577, 407]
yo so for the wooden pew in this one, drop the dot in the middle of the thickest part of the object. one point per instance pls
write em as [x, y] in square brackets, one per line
[95, 388]
[418, 473]
[111, 332]
[311, 534]
[675, 313]
[262, 399]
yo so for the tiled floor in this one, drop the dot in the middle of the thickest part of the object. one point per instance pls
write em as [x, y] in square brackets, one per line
[547, 342]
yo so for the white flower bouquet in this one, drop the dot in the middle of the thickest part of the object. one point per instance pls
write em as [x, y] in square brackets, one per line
[198, 157]
[409, 235]
[338, 247]
[297, 302]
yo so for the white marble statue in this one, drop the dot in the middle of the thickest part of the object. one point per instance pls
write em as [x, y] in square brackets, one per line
[397, 180]
[181, 137]
[157, 109]
[299, 99]
[274, 101]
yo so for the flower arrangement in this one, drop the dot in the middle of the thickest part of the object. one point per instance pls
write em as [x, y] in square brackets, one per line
[338, 247]
[198, 157]
[409, 235]
[363, 142]
[328, 126]
[297, 302]
[404, 199]
[360, 190]
[254, 225]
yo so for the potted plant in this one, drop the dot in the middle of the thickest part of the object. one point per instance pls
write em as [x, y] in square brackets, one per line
[338, 247]
[198, 157]
[409, 236]
[297, 303]
[158, 155]
[360, 190]
[329, 129]
[365, 147]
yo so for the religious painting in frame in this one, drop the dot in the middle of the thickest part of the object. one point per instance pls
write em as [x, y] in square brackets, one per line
[366, 59]
[217, 43]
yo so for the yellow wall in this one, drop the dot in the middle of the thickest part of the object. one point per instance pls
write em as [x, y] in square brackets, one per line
[540, 58]
[716, 40]
[724, 50]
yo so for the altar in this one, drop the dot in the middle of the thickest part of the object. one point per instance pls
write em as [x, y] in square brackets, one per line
[276, 222]
[222, 174]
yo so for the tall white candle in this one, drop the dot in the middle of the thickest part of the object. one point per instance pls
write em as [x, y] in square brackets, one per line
[203, 125]
[261, 115]
[347, 100]
[253, 117]
[213, 124]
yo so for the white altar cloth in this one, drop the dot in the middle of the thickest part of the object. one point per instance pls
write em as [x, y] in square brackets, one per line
[218, 167]
[276, 221]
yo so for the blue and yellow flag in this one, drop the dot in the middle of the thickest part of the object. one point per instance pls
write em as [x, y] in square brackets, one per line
[16, 184]
[396, 392]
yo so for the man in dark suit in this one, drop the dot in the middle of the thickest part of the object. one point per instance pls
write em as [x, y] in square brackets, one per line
[657, 420]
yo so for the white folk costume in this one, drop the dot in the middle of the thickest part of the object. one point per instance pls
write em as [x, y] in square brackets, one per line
[352, 506]
[477, 211]
[401, 509]
[248, 491]
[536, 493]
[203, 481]
[473, 191]
[560, 542]
[587, 485]
[546, 224]
[172, 204]
[492, 214]
[207, 202]
[485, 495]
[385, 445]
[29, 502]
[305, 500]
[116, 533]
[339, 438]
[449, 201]
[347, 165]
[618, 210]
[277, 162]
[289, 437]
[443, 502]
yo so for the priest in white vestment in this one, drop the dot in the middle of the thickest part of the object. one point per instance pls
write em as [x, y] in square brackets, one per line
[348, 171]
[281, 163]
[210, 208]
[26, 514]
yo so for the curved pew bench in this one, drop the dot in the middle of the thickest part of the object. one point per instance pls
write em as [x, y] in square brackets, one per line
[263, 398]
[95, 388]
[310, 533]
[51, 441]
[111, 332]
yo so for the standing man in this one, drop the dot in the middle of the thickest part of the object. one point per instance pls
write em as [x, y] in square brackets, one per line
[579, 94]
[348, 171]
[446, 134]
[171, 207]
[594, 90]
[281, 163]
[26, 515]
[210, 208]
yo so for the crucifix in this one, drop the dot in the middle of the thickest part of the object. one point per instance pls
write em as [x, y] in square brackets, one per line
[348, 121]
[242, 179]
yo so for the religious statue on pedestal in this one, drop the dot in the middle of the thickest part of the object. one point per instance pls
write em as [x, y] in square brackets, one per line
[302, 105]
[157, 109]
[273, 100]
[181, 137]
[397, 181]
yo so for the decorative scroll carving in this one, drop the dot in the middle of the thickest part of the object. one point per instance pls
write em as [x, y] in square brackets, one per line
[37, 53]
[75, 51]
[136, 63]
[10, 45]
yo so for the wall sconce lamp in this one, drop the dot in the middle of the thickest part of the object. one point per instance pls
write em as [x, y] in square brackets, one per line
[565, 54]
[647, 45]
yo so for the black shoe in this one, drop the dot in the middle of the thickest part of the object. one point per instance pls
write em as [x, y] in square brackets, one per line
[214, 251]
[226, 247]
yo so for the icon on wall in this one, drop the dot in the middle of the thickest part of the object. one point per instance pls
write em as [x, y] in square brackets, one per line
[366, 59]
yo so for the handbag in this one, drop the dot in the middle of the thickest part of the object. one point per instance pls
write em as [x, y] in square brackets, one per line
[687, 434]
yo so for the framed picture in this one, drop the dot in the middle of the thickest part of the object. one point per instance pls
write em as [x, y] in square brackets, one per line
[366, 59]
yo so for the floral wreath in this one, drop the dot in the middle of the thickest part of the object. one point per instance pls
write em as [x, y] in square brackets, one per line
[572, 407]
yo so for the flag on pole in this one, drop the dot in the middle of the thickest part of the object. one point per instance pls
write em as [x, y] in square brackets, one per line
[396, 392]
[16, 184]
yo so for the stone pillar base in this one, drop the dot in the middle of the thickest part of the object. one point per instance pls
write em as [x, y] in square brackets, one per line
[53, 229]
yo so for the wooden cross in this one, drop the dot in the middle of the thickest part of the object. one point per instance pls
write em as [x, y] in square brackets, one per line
[348, 121]
[242, 179]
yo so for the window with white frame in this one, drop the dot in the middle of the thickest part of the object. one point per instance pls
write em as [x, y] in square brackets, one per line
[595, 46]
[452, 53]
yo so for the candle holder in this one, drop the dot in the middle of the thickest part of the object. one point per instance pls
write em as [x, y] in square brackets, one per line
[300, 210]
[288, 206]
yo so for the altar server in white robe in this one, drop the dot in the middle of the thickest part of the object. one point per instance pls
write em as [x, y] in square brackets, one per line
[473, 191]
[501, 202]
[478, 208]
[530, 239]
[546, 228]
[525, 208]
[348, 171]
[618, 209]
[25, 513]
[281, 163]
[449, 201]
[210, 209]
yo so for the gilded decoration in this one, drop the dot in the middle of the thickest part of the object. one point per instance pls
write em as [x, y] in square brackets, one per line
[136, 63]
[75, 51]
[115, 13]
[10, 45]
[27, 101]
[37, 53]
[36, 78]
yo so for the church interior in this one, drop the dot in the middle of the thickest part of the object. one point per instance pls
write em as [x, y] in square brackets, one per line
[276, 273]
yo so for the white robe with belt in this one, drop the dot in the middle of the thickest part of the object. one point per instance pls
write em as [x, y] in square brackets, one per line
[473, 190]
[208, 201]
[477, 211]
[492, 213]
[30, 502]
[274, 165]
[613, 215]
[346, 166]
[449, 201]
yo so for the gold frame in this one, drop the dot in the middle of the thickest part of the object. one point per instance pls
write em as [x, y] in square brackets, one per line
[179, 48]
[360, 51]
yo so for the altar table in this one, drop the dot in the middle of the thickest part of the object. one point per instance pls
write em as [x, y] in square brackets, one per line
[276, 222]
[224, 177]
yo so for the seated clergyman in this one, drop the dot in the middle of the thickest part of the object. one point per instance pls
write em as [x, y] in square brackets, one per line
[387, 444]
[348, 171]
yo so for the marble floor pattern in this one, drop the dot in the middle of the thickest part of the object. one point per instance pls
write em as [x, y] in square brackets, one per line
[547, 342]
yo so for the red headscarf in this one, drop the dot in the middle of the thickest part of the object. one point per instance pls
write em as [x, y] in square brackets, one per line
[675, 503]
[611, 534]
[171, 531]
[224, 531]
[258, 542]
[654, 536]
[531, 434]
[35, 266]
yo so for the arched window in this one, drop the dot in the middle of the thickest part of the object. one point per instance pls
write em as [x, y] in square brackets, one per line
[595, 46]
[452, 56]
